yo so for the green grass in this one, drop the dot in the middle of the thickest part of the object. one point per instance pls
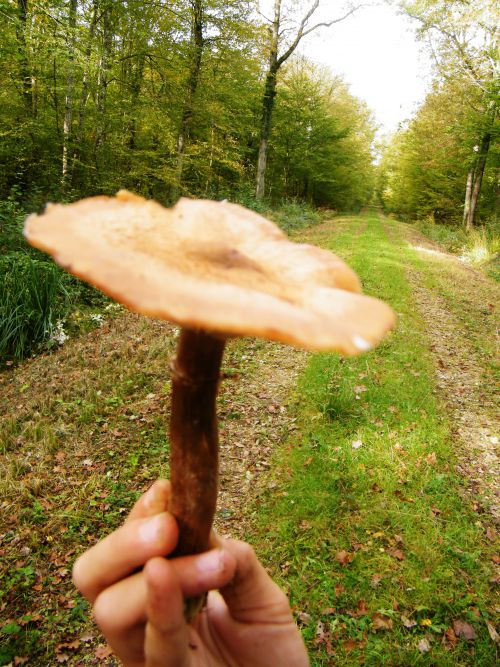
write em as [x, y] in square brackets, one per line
[394, 504]
[380, 534]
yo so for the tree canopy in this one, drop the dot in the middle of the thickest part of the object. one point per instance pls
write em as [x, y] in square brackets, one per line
[165, 98]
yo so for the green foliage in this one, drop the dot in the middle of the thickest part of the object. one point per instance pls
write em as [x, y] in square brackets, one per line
[321, 145]
[35, 294]
[33, 297]
[112, 93]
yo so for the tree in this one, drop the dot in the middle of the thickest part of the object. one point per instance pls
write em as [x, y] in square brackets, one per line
[463, 37]
[283, 39]
[320, 150]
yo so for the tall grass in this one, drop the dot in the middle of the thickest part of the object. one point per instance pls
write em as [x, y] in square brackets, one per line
[35, 294]
[33, 297]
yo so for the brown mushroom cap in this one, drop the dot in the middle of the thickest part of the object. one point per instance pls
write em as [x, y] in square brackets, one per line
[214, 266]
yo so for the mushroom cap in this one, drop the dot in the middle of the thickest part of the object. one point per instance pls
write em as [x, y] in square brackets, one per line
[214, 266]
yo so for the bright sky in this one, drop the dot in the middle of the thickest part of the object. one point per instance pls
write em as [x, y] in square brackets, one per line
[376, 53]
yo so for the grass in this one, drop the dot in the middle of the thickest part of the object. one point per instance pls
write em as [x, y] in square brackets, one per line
[370, 533]
[479, 247]
[361, 516]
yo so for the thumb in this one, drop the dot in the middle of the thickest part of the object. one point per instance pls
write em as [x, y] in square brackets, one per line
[252, 596]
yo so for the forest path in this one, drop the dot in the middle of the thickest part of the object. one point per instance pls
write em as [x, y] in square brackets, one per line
[460, 307]
[83, 431]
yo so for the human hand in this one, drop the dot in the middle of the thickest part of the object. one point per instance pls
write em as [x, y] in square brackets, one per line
[247, 622]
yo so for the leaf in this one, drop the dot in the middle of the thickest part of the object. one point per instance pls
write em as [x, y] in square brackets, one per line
[493, 633]
[450, 636]
[344, 557]
[396, 553]
[376, 579]
[381, 622]
[103, 651]
[408, 622]
[62, 658]
[431, 458]
[304, 618]
[353, 644]
[464, 630]
[424, 646]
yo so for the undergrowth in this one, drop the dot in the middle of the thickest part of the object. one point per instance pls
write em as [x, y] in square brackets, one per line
[480, 246]
[35, 294]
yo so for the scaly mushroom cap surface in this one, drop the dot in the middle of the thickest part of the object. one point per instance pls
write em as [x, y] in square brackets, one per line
[214, 266]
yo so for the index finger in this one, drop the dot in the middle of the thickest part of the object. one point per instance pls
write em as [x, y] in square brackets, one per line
[154, 501]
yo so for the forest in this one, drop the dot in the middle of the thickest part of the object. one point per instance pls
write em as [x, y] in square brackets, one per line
[367, 486]
[216, 100]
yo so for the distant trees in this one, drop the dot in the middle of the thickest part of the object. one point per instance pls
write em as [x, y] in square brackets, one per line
[165, 98]
[445, 163]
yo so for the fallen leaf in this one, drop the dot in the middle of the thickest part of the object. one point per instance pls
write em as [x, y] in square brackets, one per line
[329, 611]
[491, 534]
[103, 651]
[62, 657]
[493, 633]
[344, 557]
[376, 579]
[20, 660]
[431, 458]
[353, 644]
[464, 630]
[408, 622]
[323, 638]
[450, 637]
[424, 646]
[396, 553]
[381, 622]
[304, 618]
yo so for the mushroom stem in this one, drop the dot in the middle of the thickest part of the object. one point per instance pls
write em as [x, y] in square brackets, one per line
[194, 439]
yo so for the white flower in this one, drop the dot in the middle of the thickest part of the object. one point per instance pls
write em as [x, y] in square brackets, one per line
[59, 336]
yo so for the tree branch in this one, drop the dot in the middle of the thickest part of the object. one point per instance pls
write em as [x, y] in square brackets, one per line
[302, 32]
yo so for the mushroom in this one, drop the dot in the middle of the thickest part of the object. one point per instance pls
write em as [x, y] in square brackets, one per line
[217, 270]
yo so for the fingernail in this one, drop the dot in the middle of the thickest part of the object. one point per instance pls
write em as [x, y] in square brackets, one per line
[151, 530]
[211, 561]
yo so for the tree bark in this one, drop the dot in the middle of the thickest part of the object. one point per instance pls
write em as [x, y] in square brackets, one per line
[468, 193]
[474, 189]
[103, 82]
[24, 67]
[77, 144]
[197, 45]
[69, 99]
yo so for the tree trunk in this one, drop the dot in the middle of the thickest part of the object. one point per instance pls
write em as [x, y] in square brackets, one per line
[68, 102]
[24, 68]
[197, 45]
[267, 115]
[77, 144]
[477, 180]
[468, 193]
[268, 100]
[103, 81]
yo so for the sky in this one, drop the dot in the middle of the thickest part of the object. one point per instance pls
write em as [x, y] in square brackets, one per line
[377, 54]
